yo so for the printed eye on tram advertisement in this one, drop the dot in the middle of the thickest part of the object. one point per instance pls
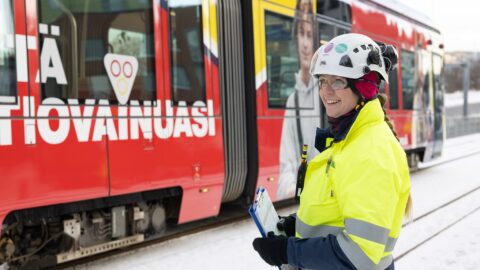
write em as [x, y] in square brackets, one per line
[120, 120]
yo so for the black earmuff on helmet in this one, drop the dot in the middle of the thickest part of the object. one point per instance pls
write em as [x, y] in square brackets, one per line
[390, 57]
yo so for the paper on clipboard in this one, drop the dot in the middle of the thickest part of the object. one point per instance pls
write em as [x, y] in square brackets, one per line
[264, 214]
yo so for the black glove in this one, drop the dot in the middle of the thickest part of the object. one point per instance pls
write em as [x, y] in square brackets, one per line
[272, 249]
[287, 225]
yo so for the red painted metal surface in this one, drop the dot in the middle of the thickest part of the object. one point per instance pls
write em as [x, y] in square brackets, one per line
[46, 174]
[269, 138]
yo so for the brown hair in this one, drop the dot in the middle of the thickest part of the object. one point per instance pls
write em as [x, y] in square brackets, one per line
[304, 12]
[383, 99]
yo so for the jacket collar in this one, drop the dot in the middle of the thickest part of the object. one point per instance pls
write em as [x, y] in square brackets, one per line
[370, 113]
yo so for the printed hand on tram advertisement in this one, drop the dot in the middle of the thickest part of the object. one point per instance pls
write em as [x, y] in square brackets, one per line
[272, 249]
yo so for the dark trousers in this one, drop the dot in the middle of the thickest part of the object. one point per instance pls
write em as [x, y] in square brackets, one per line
[391, 267]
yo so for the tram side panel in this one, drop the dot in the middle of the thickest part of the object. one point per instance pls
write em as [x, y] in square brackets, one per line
[85, 146]
[385, 27]
[183, 144]
[410, 105]
[80, 150]
[34, 168]
[186, 78]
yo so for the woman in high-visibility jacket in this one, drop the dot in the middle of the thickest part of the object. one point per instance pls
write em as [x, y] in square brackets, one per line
[357, 189]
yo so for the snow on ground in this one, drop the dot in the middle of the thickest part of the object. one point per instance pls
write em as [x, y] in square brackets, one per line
[229, 246]
[447, 182]
[457, 248]
[456, 98]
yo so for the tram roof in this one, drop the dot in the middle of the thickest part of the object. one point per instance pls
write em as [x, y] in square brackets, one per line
[402, 10]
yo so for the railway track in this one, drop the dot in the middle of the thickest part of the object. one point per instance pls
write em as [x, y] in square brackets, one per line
[240, 215]
[447, 161]
[403, 254]
[441, 207]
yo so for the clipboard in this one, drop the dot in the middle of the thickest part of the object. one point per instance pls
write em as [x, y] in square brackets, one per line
[264, 214]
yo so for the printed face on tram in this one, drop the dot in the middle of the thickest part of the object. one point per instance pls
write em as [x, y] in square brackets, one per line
[305, 43]
[336, 96]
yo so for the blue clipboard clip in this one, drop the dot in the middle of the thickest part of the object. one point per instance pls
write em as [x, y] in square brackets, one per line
[252, 210]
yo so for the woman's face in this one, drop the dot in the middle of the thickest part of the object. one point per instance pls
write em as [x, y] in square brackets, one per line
[339, 101]
[305, 44]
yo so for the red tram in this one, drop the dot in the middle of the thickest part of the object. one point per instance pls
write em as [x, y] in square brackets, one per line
[118, 117]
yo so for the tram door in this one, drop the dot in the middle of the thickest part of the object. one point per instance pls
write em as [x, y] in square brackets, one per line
[182, 145]
[135, 156]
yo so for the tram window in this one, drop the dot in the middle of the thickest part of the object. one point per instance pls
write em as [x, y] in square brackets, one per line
[8, 75]
[282, 59]
[335, 9]
[326, 32]
[393, 89]
[186, 51]
[408, 78]
[341, 31]
[381, 89]
[83, 33]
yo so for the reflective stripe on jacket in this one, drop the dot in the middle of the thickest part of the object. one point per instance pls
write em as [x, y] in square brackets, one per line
[357, 189]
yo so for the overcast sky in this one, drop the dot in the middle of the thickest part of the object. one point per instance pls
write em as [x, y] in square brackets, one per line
[459, 21]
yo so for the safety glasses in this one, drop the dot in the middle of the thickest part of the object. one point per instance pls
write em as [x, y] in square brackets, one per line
[335, 83]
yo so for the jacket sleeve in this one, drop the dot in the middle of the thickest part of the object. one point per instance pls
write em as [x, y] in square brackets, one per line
[367, 198]
[317, 253]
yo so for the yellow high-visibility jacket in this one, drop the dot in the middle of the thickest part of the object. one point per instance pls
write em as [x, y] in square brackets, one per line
[357, 189]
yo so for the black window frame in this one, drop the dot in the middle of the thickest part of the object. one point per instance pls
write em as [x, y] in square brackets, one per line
[342, 11]
[11, 97]
[282, 99]
[393, 98]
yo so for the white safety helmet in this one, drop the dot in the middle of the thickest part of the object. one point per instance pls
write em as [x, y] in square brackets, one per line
[352, 56]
